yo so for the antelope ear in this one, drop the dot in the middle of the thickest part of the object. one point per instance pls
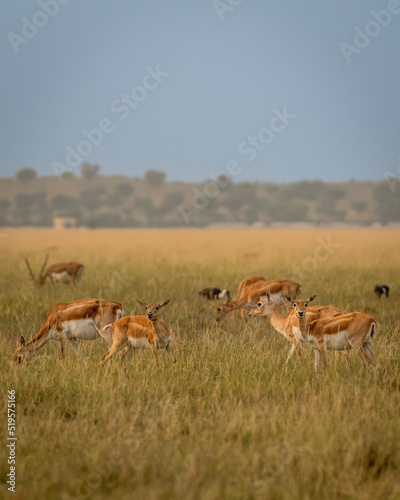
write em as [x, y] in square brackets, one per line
[311, 298]
[141, 303]
[21, 342]
[268, 294]
[289, 299]
[164, 303]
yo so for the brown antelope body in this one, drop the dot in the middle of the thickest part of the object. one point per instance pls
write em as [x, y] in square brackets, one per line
[65, 272]
[73, 321]
[224, 307]
[352, 330]
[140, 332]
[251, 294]
[230, 304]
[288, 326]
[313, 313]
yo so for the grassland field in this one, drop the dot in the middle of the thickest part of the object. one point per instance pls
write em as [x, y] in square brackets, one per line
[225, 422]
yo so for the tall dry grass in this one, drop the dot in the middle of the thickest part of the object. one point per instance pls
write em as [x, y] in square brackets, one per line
[226, 422]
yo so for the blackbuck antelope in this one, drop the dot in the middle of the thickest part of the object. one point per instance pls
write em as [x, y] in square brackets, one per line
[140, 332]
[250, 294]
[343, 332]
[213, 293]
[288, 326]
[313, 313]
[73, 321]
[381, 291]
[222, 310]
[66, 272]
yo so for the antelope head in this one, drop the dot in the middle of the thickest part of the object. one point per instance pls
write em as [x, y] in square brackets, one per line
[21, 353]
[300, 306]
[262, 308]
[224, 308]
[152, 309]
[41, 278]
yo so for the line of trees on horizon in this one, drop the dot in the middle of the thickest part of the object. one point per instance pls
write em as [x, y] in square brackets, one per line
[118, 201]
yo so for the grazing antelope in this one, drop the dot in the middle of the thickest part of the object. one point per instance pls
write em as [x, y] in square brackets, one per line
[83, 319]
[288, 326]
[343, 332]
[140, 332]
[242, 285]
[213, 293]
[381, 291]
[66, 272]
[251, 294]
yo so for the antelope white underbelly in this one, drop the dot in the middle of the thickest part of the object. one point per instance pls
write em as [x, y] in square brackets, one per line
[139, 343]
[337, 341]
[163, 342]
[84, 329]
[143, 343]
[62, 277]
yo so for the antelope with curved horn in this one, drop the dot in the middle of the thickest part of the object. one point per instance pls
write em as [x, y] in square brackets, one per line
[83, 319]
[65, 272]
[140, 332]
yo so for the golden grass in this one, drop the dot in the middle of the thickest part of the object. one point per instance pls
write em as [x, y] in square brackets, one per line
[226, 422]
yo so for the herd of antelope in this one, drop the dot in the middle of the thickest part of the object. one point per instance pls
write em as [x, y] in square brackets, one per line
[322, 327]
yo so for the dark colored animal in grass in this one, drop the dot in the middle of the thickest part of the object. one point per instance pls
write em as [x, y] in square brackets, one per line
[381, 291]
[212, 293]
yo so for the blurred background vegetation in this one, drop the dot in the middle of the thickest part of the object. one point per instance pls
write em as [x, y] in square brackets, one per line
[116, 201]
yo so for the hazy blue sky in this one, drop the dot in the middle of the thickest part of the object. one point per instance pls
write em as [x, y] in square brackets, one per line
[221, 83]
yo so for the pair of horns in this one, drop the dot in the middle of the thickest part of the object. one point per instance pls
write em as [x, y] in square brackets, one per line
[161, 304]
[30, 269]
[307, 301]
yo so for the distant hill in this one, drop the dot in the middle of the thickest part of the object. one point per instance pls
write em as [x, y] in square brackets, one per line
[116, 201]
